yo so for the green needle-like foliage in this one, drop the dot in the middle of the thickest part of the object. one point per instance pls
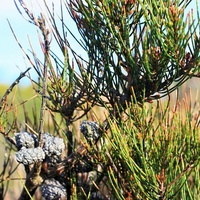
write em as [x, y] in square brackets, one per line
[140, 46]
[155, 156]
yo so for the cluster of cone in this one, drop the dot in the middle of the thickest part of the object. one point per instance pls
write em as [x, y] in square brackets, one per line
[51, 152]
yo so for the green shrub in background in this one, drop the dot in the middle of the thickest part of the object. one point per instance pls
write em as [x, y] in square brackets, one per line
[137, 52]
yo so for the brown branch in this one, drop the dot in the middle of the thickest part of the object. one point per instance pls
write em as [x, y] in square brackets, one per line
[33, 180]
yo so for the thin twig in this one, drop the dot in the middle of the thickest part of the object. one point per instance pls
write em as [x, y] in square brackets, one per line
[9, 90]
[45, 33]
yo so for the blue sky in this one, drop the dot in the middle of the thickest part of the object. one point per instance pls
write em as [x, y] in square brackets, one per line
[12, 60]
[11, 57]
[9, 51]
